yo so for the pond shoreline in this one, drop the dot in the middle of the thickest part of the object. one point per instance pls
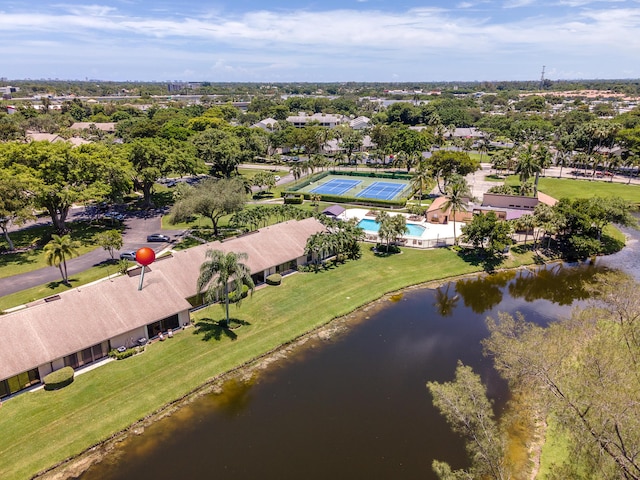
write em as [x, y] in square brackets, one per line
[74, 466]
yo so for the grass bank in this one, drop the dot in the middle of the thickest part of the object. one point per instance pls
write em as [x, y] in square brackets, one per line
[40, 429]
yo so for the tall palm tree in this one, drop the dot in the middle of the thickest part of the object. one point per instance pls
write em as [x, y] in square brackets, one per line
[296, 171]
[421, 179]
[457, 195]
[317, 246]
[483, 147]
[525, 223]
[220, 271]
[58, 250]
[528, 164]
[382, 219]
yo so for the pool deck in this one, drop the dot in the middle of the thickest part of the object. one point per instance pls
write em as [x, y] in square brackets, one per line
[434, 235]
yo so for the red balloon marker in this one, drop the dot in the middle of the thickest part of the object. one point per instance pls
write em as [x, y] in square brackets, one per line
[144, 256]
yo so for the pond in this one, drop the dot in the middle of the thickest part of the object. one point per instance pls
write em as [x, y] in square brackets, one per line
[354, 406]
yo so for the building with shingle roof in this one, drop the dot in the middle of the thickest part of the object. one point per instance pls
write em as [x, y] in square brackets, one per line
[82, 325]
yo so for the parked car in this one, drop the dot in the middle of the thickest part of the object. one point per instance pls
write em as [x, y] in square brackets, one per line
[277, 177]
[131, 255]
[157, 237]
[114, 216]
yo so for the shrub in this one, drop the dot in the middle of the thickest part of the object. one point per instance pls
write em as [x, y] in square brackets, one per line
[129, 352]
[581, 246]
[274, 279]
[59, 379]
[232, 295]
[293, 199]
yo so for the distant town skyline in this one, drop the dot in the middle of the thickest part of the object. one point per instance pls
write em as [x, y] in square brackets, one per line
[328, 41]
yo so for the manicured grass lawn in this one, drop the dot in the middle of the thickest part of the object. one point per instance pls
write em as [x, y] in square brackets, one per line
[42, 428]
[570, 188]
[16, 263]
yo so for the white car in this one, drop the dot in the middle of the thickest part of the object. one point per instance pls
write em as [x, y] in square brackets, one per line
[128, 255]
[277, 177]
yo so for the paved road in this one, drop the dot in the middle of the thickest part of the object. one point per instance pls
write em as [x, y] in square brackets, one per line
[137, 227]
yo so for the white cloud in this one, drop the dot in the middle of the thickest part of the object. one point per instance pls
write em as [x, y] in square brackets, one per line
[409, 44]
[518, 3]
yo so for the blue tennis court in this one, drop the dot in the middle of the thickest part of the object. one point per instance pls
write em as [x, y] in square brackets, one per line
[382, 191]
[336, 186]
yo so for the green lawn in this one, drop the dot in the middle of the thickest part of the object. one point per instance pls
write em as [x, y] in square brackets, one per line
[571, 188]
[16, 263]
[42, 428]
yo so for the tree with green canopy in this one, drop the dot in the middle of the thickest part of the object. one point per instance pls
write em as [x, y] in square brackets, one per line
[16, 206]
[224, 272]
[152, 158]
[445, 165]
[584, 373]
[464, 404]
[212, 198]
[110, 240]
[58, 175]
[220, 150]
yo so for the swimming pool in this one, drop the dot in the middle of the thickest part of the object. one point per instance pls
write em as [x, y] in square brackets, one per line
[369, 225]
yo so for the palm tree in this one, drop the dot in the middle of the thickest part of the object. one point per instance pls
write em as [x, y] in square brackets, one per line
[483, 147]
[220, 270]
[525, 223]
[296, 171]
[457, 195]
[528, 164]
[58, 250]
[317, 245]
[420, 179]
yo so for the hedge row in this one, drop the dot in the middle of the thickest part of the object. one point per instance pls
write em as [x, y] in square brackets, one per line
[392, 175]
[293, 199]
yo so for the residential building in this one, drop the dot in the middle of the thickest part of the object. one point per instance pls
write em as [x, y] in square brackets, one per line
[82, 325]
[321, 119]
[506, 207]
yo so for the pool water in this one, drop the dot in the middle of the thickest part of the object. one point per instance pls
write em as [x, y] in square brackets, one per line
[369, 225]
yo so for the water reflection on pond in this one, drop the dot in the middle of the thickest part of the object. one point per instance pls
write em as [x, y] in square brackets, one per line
[355, 406]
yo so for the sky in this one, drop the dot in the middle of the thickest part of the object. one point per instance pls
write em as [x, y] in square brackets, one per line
[320, 41]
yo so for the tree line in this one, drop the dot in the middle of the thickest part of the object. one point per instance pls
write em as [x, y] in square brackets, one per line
[581, 374]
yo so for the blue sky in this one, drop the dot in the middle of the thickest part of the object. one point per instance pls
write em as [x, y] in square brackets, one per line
[320, 41]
